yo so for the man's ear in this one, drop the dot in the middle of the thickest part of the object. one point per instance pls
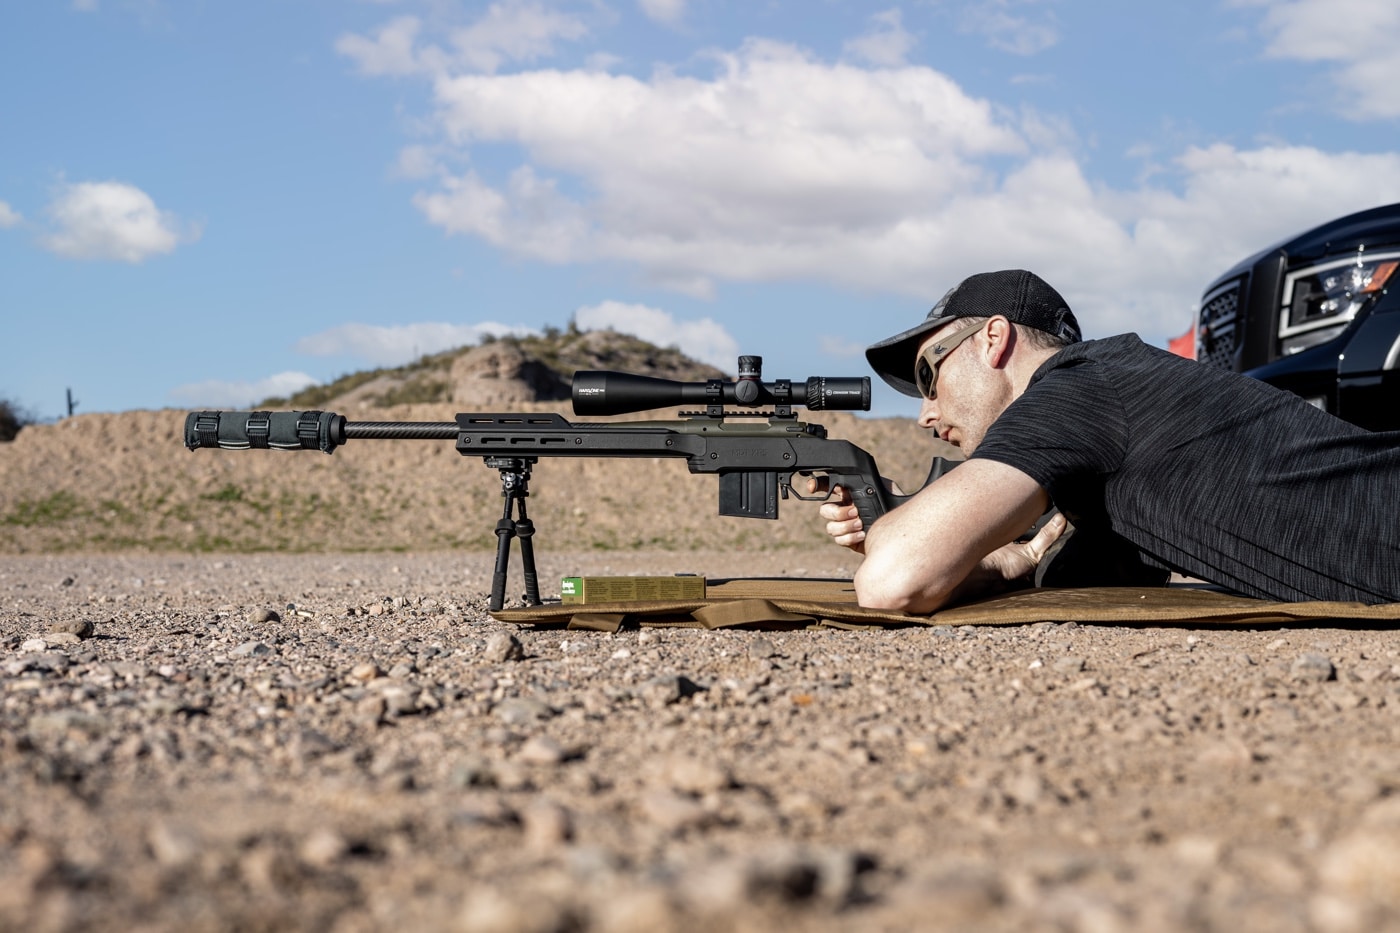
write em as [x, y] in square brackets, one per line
[1001, 336]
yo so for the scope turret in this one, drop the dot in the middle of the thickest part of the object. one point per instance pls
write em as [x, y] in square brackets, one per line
[597, 392]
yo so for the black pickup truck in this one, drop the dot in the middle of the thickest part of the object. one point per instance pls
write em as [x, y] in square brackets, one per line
[1319, 315]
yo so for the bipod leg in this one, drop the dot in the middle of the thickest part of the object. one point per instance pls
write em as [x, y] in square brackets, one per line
[505, 530]
[525, 530]
[515, 482]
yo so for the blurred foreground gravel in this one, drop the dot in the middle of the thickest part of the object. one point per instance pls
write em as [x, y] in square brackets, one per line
[349, 743]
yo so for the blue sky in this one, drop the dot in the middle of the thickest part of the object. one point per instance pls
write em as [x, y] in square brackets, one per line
[203, 203]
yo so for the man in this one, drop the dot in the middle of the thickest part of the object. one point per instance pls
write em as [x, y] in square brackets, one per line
[1174, 465]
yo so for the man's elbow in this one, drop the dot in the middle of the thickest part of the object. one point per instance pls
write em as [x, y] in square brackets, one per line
[894, 589]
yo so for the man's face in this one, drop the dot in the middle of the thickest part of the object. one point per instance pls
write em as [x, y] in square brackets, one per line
[964, 386]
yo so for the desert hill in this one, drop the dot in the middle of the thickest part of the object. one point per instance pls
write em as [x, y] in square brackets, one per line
[124, 481]
[503, 371]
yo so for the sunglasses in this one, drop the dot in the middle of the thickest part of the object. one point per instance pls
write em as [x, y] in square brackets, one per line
[926, 369]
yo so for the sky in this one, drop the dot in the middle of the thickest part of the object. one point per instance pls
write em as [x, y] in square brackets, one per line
[204, 203]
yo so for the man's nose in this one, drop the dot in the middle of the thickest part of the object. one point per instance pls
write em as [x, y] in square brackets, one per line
[928, 413]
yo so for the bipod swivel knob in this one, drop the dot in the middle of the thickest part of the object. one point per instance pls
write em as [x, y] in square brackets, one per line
[515, 489]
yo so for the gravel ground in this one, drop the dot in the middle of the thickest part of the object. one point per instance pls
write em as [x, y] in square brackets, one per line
[349, 743]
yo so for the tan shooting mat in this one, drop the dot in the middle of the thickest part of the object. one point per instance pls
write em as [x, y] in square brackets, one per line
[782, 602]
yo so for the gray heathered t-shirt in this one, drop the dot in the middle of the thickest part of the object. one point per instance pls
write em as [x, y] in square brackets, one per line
[1213, 474]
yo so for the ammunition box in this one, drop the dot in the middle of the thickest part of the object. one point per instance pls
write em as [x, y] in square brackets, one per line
[583, 590]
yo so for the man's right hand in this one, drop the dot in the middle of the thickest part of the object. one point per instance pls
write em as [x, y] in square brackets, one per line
[842, 520]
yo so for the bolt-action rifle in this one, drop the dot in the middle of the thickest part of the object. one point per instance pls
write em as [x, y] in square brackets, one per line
[755, 459]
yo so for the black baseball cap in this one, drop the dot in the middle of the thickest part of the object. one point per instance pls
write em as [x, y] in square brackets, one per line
[1019, 296]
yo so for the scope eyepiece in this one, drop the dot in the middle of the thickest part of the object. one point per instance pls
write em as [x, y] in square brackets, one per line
[601, 393]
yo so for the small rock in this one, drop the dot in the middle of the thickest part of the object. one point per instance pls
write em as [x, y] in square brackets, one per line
[173, 846]
[783, 875]
[667, 689]
[672, 811]
[79, 628]
[1313, 666]
[365, 671]
[502, 647]
[1069, 665]
[33, 644]
[61, 638]
[695, 775]
[485, 810]
[474, 771]
[761, 648]
[547, 826]
[542, 750]
[263, 616]
[323, 847]
[370, 710]
[251, 649]
[490, 911]
[520, 711]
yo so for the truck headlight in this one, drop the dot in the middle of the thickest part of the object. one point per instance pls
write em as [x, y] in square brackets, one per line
[1319, 301]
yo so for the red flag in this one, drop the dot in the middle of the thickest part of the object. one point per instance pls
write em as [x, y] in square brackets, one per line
[1185, 345]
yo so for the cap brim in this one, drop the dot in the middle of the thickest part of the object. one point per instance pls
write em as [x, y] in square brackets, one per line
[893, 358]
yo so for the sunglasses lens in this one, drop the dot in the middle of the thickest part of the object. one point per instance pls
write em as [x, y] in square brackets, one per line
[923, 377]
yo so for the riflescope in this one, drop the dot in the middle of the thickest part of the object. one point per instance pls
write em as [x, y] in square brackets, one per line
[609, 393]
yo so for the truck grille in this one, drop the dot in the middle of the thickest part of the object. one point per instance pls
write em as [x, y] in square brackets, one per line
[1216, 332]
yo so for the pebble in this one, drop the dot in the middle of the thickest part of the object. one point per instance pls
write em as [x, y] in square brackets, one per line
[547, 826]
[264, 616]
[1313, 666]
[520, 711]
[542, 750]
[693, 775]
[502, 647]
[672, 811]
[251, 649]
[78, 628]
[667, 689]
[365, 671]
[323, 847]
[1068, 665]
[761, 648]
[173, 846]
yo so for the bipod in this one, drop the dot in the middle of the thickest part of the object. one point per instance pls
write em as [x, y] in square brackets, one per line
[515, 489]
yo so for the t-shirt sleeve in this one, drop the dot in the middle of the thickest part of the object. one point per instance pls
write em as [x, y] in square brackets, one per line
[1066, 428]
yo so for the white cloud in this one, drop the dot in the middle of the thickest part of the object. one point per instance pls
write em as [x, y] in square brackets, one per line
[509, 31]
[417, 162]
[111, 220]
[1006, 28]
[214, 393]
[394, 346]
[779, 166]
[886, 45]
[704, 339]
[663, 11]
[1354, 35]
[389, 52]
[9, 217]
